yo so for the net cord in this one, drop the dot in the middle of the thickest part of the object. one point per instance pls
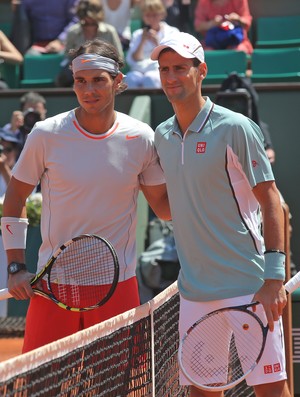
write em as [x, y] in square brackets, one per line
[31, 360]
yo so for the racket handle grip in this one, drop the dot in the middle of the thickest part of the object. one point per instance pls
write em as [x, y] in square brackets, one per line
[293, 283]
[4, 294]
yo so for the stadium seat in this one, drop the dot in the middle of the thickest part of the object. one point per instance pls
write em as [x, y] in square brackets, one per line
[135, 24]
[40, 70]
[6, 28]
[276, 32]
[275, 65]
[221, 63]
[10, 74]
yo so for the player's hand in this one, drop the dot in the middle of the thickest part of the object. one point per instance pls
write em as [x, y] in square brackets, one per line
[19, 285]
[272, 296]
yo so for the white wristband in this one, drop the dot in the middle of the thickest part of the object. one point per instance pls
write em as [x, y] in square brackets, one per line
[14, 232]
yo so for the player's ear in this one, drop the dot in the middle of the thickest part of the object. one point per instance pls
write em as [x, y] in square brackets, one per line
[118, 79]
[202, 70]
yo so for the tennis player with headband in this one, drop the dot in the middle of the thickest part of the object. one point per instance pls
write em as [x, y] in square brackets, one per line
[218, 175]
[91, 162]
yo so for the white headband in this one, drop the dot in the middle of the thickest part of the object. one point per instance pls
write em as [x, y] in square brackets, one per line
[94, 61]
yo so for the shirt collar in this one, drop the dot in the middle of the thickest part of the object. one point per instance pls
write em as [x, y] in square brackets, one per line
[200, 120]
[202, 117]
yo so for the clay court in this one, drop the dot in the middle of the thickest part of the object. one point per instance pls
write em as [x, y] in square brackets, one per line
[11, 336]
[10, 347]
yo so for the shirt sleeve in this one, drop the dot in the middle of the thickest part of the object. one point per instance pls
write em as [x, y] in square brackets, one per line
[152, 173]
[30, 165]
[248, 145]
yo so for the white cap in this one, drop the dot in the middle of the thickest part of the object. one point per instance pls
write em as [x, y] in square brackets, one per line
[184, 44]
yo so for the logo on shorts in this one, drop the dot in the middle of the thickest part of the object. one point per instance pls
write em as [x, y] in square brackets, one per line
[268, 369]
[201, 147]
[254, 163]
[277, 367]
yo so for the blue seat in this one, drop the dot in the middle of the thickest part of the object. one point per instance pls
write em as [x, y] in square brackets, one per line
[221, 63]
[276, 65]
[276, 32]
[40, 70]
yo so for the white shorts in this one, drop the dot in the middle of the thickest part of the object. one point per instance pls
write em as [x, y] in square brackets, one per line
[271, 367]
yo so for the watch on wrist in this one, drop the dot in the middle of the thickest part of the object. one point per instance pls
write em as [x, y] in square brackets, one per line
[15, 267]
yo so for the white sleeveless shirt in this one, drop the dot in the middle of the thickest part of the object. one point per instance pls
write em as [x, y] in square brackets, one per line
[119, 18]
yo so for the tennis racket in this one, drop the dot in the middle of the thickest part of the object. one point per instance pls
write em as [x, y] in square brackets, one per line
[81, 275]
[223, 347]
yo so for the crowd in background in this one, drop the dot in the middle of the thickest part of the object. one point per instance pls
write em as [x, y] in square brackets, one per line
[134, 27]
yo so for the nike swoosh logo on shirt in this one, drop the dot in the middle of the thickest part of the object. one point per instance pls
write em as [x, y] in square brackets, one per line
[129, 137]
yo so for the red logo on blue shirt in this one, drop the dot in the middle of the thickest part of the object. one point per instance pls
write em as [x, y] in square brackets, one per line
[254, 163]
[201, 147]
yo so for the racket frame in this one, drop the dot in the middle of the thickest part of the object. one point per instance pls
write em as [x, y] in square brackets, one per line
[290, 287]
[47, 269]
[241, 308]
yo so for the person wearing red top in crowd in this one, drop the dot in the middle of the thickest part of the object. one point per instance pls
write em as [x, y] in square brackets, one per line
[211, 13]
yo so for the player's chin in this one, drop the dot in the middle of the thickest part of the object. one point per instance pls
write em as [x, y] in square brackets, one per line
[90, 107]
[173, 92]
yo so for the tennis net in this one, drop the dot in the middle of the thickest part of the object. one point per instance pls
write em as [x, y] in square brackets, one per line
[133, 354]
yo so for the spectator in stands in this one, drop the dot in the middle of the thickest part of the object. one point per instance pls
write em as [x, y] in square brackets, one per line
[178, 14]
[9, 54]
[210, 14]
[91, 25]
[40, 26]
[33, 109]
[118, 14]
[143, 71]
[9, 152]
[16, 122]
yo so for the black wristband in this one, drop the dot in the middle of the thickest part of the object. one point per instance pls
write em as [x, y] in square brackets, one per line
[272, 251]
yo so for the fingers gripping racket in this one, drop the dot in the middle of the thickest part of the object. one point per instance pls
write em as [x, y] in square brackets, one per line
[81, 275]
[223, 347]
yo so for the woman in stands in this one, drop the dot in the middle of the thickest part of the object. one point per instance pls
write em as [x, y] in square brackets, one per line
[212, 13]
[143, 71]
[91, 25]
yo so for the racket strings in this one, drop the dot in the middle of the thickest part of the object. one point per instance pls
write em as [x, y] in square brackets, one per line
[83, 272]
[222, 348]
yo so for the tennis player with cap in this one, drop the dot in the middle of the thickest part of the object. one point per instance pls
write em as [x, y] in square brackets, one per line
[91, 162]
[218, 175]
